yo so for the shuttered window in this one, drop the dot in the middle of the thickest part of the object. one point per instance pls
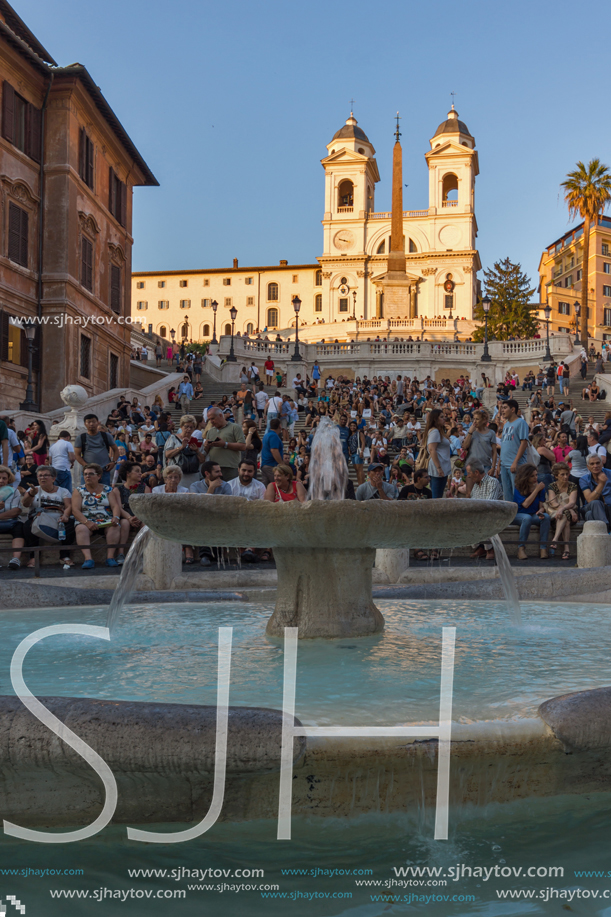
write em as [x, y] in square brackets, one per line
[87, 264]
[86, 158]
[117, 197]
[115, 288]
[85, 356]
[21, 122]
[17, 234]
[114, 371]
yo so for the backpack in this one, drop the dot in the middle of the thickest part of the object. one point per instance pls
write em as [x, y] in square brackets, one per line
[106, 439]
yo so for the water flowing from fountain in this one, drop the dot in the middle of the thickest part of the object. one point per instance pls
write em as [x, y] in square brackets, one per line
[328, 468]
[508, 580]
[129, 574]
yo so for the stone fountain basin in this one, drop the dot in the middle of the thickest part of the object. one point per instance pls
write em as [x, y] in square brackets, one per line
[322, 525]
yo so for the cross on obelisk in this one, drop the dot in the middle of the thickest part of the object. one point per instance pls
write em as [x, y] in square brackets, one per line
[398, 132]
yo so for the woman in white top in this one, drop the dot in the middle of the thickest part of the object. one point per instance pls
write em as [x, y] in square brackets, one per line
[439, 449]
[172, 476]
[46, 498]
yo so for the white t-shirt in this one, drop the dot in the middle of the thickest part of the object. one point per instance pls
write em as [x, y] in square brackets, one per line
[59, 454]
[45, 501]
[261, 399]
[253, 491]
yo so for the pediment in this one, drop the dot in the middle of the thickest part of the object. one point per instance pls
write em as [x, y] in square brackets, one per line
[451, 146]
[346, 156]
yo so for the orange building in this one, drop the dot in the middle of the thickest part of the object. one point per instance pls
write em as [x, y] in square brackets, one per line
[67, 170]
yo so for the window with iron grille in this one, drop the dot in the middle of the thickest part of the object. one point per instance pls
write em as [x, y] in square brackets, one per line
[87, 263]
[343, 305]
[85, 356]
[113, 380]
[86, 152]
[115, 288]
[185, 303]
[17, 234]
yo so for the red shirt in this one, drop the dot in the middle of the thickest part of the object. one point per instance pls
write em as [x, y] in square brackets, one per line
[269, 364]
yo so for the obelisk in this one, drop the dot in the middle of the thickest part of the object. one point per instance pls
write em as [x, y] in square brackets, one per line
[395, 284]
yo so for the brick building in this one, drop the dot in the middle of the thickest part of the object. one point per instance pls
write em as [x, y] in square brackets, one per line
[67, 170]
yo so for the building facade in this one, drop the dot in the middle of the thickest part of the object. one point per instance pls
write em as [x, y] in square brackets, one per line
[347, 281]
[67, 170]
[561, 279]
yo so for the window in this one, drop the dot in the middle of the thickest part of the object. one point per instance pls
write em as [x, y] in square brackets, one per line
[318, 281]
[13, 343]
[606, 291]
[607, 320]
[272, 292]
[85, 166]
[343, 305]
[249, 281]
[142, 306]
[184, 283]
[85, 356]
[113, 375]
[163, 304]
[206, 282]
[206, 303]
[250, 328]
[449, 188]
[117, 197]
[228, 329]
[17, 234]
[228, 302]
[185, 303]
[250, 300]
[605, 248]
[412, 246]
[140, 285]
[578, 275]
[318, 302]
[295, 278]
[568, 281]
[564, 308]
[345, 195]
[449, 301]
[206, 331]
[87, 263]
[115, 288]
[161, 284]
[226, 281]
[607, 267]
[381, 248]
[163, 331]
[272, 318]
[21, 122]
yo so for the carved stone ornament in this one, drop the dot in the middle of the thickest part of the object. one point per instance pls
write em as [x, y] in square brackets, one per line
[326, 274]
[363, 273]
[19, 190]
[467, 269]
[88, 223]
[428, 271]
[116, 253]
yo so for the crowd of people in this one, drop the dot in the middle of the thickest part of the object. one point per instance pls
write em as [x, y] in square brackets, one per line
[404, 438]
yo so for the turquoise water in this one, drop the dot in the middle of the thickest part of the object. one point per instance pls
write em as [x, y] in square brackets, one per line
[169, 653]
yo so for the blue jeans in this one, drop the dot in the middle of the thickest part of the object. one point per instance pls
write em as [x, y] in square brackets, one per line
[508, 483]
[526, 520]
[105, 479]
[64, 479]
[595, 511]
[438, 485]
[270, 417]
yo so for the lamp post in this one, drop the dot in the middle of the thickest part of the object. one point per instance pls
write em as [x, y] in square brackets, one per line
[577, 308]
[234, 313]
[296, 358]
[486, 303]
[30, 331]
[548, 312]
[172, 334]
[354, 305]
[215, 306]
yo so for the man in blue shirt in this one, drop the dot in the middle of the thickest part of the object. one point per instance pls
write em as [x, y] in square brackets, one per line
[596, 487]
[513, 446]
[344, 435]
[212, 482]
[185, 394]
[272, 451]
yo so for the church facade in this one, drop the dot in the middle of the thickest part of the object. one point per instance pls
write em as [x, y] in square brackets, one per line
[355, 277]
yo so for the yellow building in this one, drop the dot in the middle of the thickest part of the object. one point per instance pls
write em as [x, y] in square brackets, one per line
[561, 278]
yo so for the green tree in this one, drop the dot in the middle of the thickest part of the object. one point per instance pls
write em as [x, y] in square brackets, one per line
[512, 314]
[587, 191]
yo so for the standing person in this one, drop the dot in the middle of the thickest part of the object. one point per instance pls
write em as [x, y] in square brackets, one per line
[269, 371]
[440, 450]
[272, 451]
[480, 442]
[40, 442]
[185, 394]
[183, 449]
[316, 375]
[261, 399]
[551, 378]
[158, 353]
[344, 436]
[273, 408]
[356, 450]
[197, 367]
[529, 494]
[566, 378]
[62, 458]
[513, 446]
[223, 443]
[583, 366]
[96, 447]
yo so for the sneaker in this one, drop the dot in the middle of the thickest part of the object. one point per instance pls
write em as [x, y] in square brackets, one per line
[205, 561]
[88, 565]
[120, 559]
[14, 563]
[111, 562]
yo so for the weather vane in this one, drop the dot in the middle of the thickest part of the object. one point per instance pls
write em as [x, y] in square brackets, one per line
[452, 94]
[398, 132]
[351, 106]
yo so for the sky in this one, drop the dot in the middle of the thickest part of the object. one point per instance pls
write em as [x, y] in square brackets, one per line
[231, 105]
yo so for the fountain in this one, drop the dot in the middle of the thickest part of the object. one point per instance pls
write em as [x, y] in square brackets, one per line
[324, 548]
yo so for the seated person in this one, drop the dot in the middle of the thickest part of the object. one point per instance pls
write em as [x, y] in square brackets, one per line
[375, 487]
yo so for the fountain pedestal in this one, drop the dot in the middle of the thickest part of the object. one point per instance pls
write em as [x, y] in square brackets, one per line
[325, 593]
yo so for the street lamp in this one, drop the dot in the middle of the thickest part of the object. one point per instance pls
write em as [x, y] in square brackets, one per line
[215, 306]
[29, 404]
[577, 308]
[296, 358]
[354, 305]
[486, 303]
[234, 314]
[548, 312]
[172, 334]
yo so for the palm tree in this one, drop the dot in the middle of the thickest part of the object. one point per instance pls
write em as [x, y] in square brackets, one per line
[587, 191]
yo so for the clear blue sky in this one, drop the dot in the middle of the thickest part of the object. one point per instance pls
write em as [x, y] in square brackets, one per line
[232, 103]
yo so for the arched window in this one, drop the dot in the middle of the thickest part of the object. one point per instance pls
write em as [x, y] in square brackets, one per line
[450, 188]
[206, 331]
[163, 331]
[345, 196]
[184, 330]
[412, 246]
[250, 328]
[272, 318]
[272, 292]
[227, 328]
[318, 302]
[381, 248]
[318, 278]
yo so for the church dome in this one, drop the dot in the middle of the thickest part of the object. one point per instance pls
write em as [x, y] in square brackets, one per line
[453, 125]
[350, 131]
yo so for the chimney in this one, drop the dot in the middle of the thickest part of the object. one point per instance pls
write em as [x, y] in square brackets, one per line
[283, 263]
[235, 262]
